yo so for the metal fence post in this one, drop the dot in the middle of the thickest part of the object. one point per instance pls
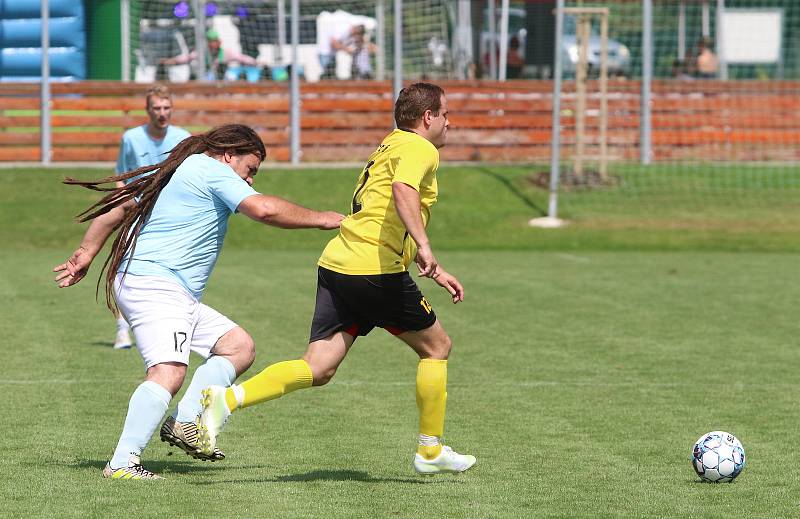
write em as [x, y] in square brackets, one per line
[645, 120]
[281, 18]
[125, 36]
[503, 61]
[200, 48]
[492, 40]
[720, 39]
[397, 81]
[294, 80]
[44, 127]
[380, 36]
[555, 146]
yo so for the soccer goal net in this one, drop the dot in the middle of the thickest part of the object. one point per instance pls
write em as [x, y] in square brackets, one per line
[349, 39]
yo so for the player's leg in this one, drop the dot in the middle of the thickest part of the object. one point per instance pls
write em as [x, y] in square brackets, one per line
[433, 347]
[316, 367]
[328, 345]
[332, 334]
[122, 341]
[162, 320]
[146, 408]
[230, 351]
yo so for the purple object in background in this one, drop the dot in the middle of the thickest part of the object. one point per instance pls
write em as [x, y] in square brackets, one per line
[181, 9]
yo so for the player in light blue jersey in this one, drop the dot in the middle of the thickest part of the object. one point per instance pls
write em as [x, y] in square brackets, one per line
[171, 220]
[143, 146]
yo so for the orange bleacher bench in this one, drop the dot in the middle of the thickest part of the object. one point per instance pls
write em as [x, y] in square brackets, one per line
[490, 121]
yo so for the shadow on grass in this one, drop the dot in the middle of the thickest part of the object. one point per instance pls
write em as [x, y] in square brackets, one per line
[514, 190]
[335, 475]
[159, 467]
[106, 344]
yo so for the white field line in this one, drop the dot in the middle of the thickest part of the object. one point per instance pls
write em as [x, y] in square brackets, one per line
[409, 383]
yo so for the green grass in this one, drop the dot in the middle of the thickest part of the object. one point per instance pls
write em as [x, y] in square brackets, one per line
[586, 362]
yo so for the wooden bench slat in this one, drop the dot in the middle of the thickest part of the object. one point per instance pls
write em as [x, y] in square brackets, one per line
[489, 120]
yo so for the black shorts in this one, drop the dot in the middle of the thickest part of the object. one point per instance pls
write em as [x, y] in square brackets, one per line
[356, 304]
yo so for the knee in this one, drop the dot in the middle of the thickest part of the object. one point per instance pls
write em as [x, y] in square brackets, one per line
[321, 374]
[247, 350]
[168, 375]
[238, 347]
[440, 349]
[323, 378]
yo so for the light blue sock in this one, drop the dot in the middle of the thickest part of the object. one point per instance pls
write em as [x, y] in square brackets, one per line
[146, 409]
[217, 371]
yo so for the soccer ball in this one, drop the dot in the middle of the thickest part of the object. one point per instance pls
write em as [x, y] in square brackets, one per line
[718, 457]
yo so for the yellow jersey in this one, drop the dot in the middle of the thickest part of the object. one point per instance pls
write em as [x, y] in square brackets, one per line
[373, 239]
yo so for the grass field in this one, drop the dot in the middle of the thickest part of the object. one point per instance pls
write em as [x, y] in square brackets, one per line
[586, 362]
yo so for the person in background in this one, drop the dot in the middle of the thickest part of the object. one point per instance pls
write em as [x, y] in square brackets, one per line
[706, 63]
[345, 38]
[514, 60]
[361, 50]
[142, 146]
[218, 58]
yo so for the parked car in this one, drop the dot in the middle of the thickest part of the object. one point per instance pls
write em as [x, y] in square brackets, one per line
[619, 56]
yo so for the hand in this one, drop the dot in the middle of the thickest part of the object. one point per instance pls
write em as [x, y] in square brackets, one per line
[74, 269]
[330, 220]
[426, 261]
[449, 283]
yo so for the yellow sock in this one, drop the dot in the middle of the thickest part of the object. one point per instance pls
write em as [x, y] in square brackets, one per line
[429, 452]
[431, 402]
[230, 399]
[274, 381]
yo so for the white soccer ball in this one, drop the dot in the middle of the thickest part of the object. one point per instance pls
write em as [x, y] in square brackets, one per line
[718, 457]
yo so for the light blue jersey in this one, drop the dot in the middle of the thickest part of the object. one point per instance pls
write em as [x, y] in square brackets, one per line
[138, 149]
[182, 238]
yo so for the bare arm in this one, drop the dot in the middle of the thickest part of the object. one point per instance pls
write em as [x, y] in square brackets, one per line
[244, 59]
[77, 266]
[277, 212]
[337, 44]
[180, 59]
[406, 200]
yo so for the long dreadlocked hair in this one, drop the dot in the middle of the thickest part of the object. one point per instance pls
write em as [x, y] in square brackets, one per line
[235, 139]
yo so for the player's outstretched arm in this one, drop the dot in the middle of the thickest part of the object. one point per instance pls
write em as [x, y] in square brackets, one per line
[277, 212]
[77, 265]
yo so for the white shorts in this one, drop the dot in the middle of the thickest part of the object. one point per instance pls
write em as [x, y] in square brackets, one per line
[167, 321]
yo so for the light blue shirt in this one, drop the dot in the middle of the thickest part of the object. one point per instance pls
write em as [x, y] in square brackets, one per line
[138, 149]
[182, 238]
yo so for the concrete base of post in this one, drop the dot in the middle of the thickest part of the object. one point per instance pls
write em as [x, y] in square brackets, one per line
[547, 222]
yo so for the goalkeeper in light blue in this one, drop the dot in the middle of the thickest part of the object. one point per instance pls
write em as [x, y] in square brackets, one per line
[141, 146]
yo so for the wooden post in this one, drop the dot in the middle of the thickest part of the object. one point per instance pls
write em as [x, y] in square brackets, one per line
[583, 34]
[583, 30]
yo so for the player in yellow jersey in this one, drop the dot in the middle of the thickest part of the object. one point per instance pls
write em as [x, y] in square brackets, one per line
[363, 282]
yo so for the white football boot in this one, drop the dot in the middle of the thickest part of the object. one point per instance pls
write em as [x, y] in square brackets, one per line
[448, 461]
[212, 419]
